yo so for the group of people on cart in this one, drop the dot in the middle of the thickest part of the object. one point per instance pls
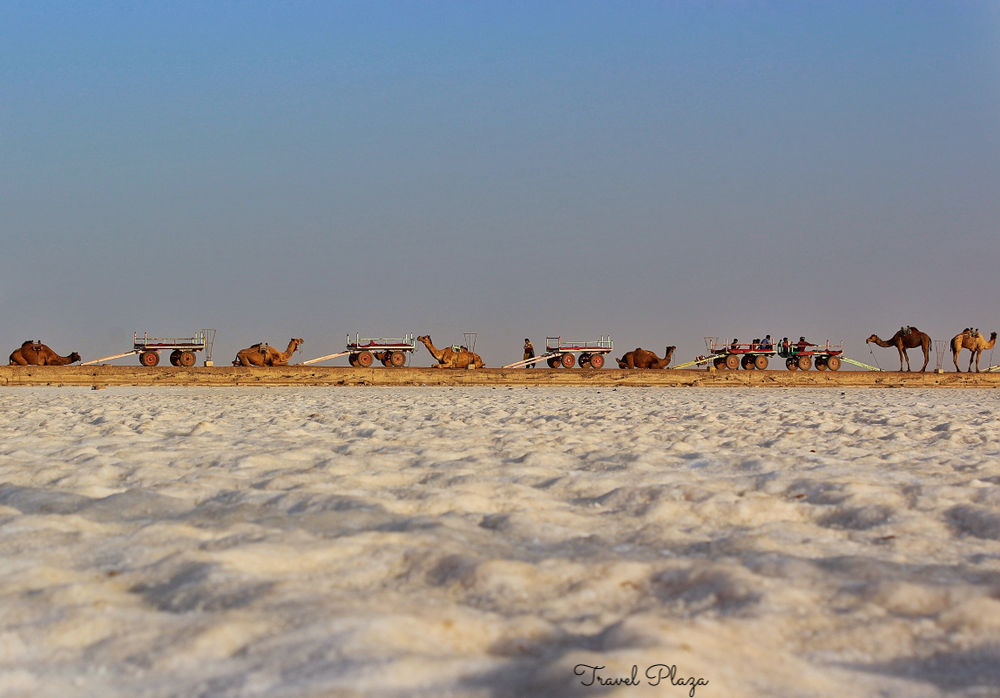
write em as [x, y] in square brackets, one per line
[784, 349]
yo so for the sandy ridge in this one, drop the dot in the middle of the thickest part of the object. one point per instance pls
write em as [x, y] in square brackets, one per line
[333, 376]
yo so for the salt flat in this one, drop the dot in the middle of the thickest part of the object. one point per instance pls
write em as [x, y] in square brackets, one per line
[489, 541]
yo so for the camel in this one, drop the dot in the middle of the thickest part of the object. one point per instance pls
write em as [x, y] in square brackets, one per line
[449, 358]
[642, 358]
[262, 354]
[34, 353]
[908, 338]
[974, 342]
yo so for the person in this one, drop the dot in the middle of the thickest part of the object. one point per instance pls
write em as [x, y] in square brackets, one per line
[786, 348]
[529, 352]
[802, 344]
[734, 345]
[765, 344]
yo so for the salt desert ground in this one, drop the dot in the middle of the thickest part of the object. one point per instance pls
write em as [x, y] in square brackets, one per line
[478, 541]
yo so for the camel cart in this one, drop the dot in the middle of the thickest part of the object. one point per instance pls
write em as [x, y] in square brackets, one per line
[563, 353]
[182, 349]
[361, 352]
[752, 356]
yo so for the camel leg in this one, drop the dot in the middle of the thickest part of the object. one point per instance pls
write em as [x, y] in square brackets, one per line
[927, 357]
[954, 358]
[901, 355]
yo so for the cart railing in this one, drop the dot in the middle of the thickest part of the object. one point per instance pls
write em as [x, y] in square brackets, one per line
[407, 341]
[714, 346]
[605, 343]
[200, 339]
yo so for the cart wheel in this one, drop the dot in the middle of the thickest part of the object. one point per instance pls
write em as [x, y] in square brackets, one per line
[149, 358]
[553, 362]
[820, 363]
[790, 364]
[175, 357]
[746, 362]
[732, 362]
[567, 360]
[597, 360]
[760, 362]
[352, 359]
[584, 360]
[804, 362]
[720, 362]
[397, 359]
[186, 359]
[365, 359]
[833, 363]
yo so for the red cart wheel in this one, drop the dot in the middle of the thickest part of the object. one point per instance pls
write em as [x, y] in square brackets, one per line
[790, 364]
[352, 359]
[553, 362]
[804, 362]
[760, 362]
[567, 360]
[833, 363]
[746, 362]
[584, 360]
[719, 362]
[820, 363]
[149, 358]
[732, 362]
[365, 359]
[397, 359]
[175, 357]
[597, 361]
[186, 359]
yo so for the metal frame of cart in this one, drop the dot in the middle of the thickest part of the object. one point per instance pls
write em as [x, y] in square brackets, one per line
[182, 349]
[394, 351]
[563, 353]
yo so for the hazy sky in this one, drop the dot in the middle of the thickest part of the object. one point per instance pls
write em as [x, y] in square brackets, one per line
[657, 171]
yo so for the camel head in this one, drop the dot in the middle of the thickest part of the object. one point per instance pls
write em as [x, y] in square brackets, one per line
[74, 357]
[621, 363]
[297, 342]
[424, 338]
[873, 338]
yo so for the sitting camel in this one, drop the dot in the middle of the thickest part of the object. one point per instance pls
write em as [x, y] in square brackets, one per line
[906, 338]
[263, 354]
[37, 354]
[449, 358]
[642, 358]
[974, 342]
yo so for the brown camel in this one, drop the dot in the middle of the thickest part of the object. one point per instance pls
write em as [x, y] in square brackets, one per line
[906, 338]
[38, 354]
[449, 358]
[262, 354]
[642, 358]
[974, 342]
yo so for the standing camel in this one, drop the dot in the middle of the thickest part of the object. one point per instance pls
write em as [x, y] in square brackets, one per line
[262, 354]
[974, 342]
[906, 338]
[38, 354]
[642, 358]
[449, 358]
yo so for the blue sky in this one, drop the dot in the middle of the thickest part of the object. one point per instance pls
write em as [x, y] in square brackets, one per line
[658, 171]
